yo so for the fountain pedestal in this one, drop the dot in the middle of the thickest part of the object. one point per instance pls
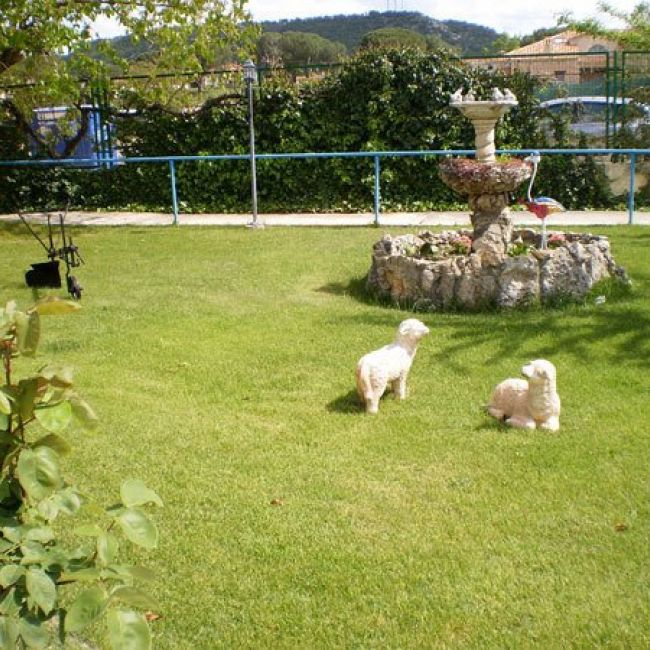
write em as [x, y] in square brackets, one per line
[487, 184]
[486, 181]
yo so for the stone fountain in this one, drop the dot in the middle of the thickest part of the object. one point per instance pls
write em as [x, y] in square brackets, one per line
[492, 265]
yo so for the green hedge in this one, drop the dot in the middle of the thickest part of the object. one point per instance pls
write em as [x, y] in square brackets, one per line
[395, 100]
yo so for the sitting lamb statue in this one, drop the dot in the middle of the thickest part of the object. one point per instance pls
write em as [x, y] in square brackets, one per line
[528, 404]
[389, 365]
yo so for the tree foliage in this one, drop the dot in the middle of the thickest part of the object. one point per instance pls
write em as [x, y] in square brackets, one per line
[380, 100]
[297, 48]
[634, 36]
[467, 38]
[45, 46]
[540, 34]
[503, 43]
[49, 587]
[394, 37]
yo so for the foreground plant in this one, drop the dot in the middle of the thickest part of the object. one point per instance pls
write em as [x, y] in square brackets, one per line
[36, 564]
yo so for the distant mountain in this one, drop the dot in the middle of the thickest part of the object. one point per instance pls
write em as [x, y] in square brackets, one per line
[468, 38]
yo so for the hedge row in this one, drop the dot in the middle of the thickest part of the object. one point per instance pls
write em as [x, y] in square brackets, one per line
[395, 100]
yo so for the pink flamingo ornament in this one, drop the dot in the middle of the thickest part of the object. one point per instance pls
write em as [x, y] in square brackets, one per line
[540, 206]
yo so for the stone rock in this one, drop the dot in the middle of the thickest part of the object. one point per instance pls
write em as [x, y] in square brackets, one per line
[477, 280]
[518, 281]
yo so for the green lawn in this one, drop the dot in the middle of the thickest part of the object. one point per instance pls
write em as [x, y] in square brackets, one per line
[221, 362]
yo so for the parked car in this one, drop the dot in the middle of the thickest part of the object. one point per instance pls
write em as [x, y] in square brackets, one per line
[589, 114]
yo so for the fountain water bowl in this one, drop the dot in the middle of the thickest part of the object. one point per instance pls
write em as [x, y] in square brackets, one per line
[484, 115]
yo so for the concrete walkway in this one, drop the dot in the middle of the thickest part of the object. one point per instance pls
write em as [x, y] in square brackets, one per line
[414, 219]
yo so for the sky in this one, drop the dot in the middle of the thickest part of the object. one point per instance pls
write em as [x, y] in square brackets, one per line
[516, 17]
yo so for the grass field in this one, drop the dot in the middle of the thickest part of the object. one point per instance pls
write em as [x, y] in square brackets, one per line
[221, 362]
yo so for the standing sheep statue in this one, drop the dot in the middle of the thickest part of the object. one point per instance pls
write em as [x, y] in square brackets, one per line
[389, 365]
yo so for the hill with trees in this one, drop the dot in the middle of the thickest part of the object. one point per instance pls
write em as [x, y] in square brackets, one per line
[299, 40]
[467, 38]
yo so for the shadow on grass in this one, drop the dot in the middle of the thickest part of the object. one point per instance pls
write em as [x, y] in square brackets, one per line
[16, 229]
[621, 327]
[348, 403]
[619, 333]
[355, 288]
[492, 425]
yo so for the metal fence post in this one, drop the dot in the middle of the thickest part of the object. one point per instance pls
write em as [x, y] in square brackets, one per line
[172, 176]
[630, 195]
[608, 118]
[377, 189]
[615, 92]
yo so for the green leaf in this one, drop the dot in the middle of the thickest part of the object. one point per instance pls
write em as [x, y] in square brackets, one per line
[68, 501]
[88, 607]
[135, 493]
[11, 603]
[34, 553]
[89, 530]
[138, 528]
[83, 413]
[28, 332]
[8, 632]
[41, 588]
[4, 422]
[53, 306]
[59, 444]
[54, 418]
[48, 509]
[141, 573]
[128, 630]
[5, 404]
[27, 390]
[13, 533]
[38, 472]
[107, 548]
[5, 488]
[83, 575]
[135, 598]
[43, 534]
[60, 377]
[10, 574]
[33, 632]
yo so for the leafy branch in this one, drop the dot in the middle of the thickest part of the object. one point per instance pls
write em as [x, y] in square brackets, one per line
[36, 566]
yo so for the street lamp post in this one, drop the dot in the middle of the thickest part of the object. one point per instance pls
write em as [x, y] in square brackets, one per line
[250, 76]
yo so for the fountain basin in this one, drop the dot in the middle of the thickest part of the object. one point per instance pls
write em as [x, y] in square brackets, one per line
[420, 271]
[468, 176]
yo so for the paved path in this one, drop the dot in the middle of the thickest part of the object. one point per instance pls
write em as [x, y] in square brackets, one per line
[417, 219]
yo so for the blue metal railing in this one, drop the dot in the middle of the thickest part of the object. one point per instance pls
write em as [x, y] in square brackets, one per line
[375, 155]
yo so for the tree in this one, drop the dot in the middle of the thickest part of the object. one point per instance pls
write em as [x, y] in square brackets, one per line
[393, 38]
[635, 35]
[540, 34]
[503, 43]
[45, 47]
[297, 48]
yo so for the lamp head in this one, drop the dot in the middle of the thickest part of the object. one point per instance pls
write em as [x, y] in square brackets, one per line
[250, 72]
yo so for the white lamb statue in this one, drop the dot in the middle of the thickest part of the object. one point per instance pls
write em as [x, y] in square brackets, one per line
[389, 365]
[528, 404]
